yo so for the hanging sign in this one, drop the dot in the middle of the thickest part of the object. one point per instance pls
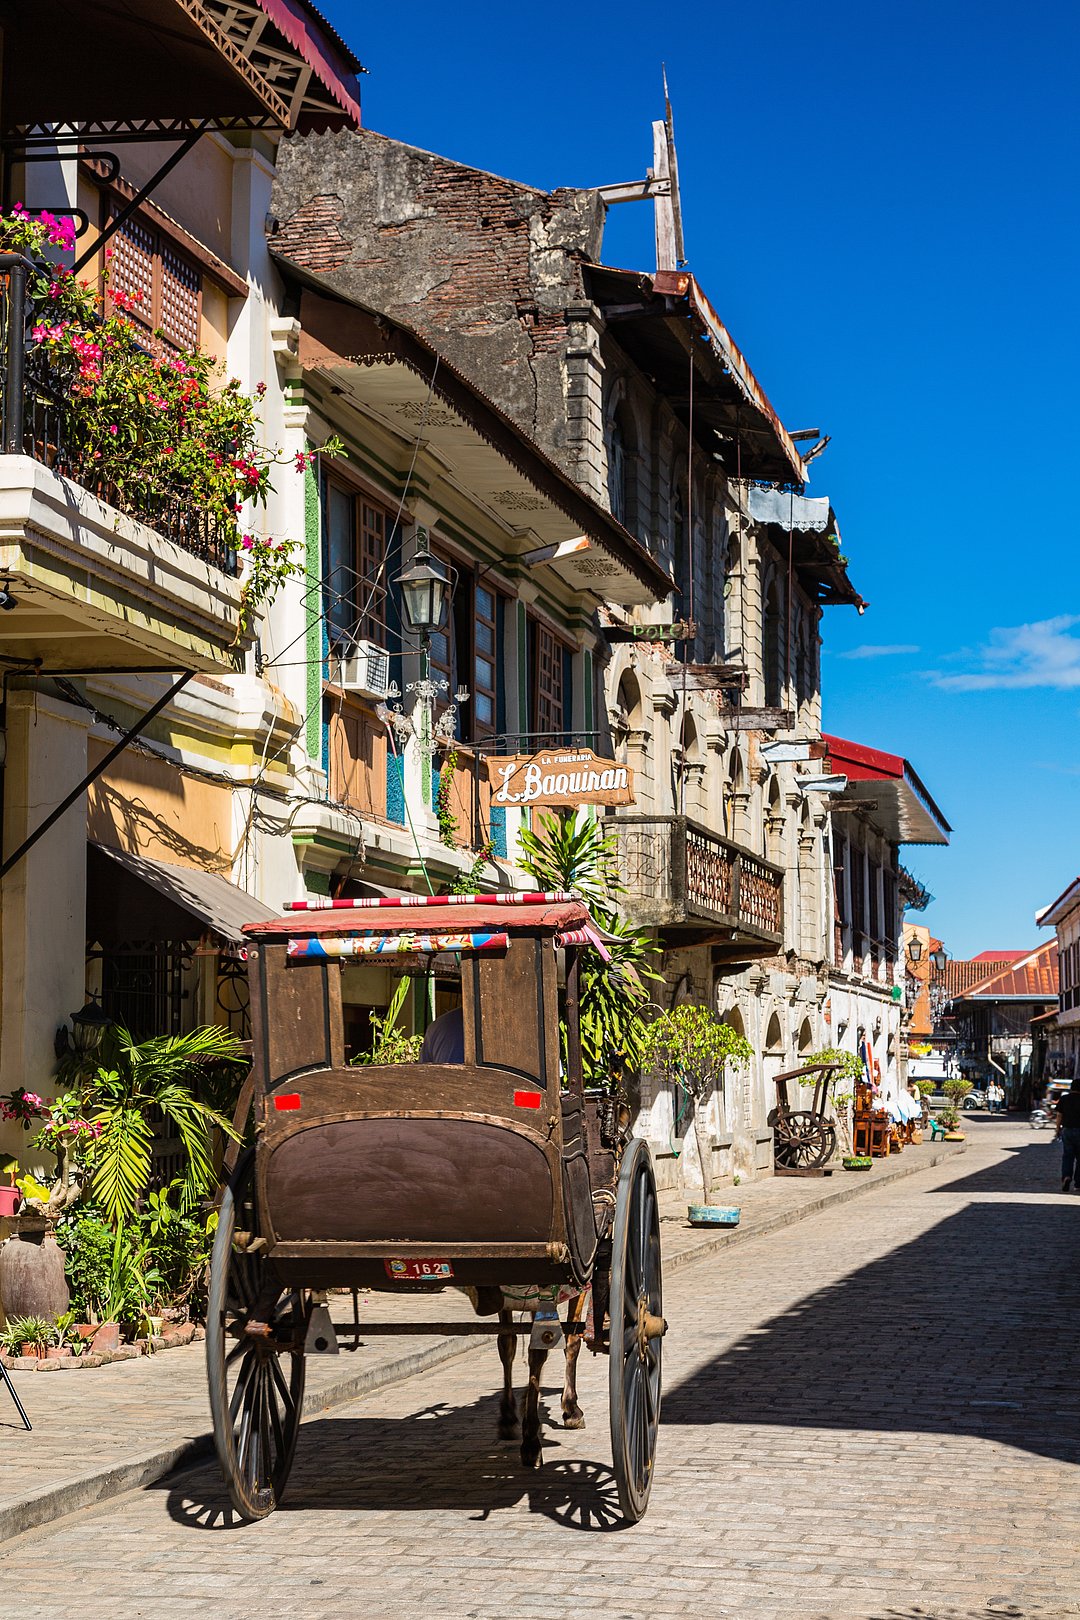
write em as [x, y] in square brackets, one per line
[680, 630]
[565, 777]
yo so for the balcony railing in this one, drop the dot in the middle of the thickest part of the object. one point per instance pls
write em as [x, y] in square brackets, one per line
[39, 417]
[679, 874]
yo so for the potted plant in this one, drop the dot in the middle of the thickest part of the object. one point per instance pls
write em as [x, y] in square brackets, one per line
[690, 1047]
[27, 1335]
[857, 1161]
[10, 1196]
[950, 1118]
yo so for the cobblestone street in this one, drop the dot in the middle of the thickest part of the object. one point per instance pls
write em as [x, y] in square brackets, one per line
[871, 1413]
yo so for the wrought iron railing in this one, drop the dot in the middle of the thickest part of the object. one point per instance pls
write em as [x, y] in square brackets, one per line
[39, 417]
[678, 872]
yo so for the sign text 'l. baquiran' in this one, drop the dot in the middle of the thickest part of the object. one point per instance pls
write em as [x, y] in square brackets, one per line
[568, 777]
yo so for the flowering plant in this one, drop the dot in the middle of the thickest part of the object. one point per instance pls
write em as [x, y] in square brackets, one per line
[161, 432]
[23, 1106]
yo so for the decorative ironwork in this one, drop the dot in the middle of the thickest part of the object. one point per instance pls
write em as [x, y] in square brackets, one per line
[677, 872]
[232, 995]
[41, 419]
[710, 873]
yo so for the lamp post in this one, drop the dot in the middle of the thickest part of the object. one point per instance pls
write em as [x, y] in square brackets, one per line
[914, 949]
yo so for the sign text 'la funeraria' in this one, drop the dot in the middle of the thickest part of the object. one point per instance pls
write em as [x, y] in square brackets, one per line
[553, 778]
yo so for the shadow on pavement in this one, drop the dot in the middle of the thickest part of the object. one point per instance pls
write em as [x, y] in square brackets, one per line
[438, 1457]
[970, 1329]
[1033, 1168]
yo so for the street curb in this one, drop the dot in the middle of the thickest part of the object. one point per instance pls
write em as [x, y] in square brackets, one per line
[59, 1500]
[858, 1188]
[56, 1502]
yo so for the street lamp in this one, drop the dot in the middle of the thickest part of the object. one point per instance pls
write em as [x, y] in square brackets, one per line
[424, 593]
[424, 587]
[88, 1026]
[938, 959]
[914, 949]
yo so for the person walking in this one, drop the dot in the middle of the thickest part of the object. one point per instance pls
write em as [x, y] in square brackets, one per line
[1068, 1130]
[995, 1096]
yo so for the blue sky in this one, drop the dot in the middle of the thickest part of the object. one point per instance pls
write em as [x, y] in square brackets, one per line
[881, 203]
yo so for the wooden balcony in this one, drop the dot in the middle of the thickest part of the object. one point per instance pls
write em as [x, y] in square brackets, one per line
[697, 887]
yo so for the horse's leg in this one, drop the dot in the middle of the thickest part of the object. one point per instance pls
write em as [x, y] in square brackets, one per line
[572, 1415]
[508, 1418]
[530, 1423]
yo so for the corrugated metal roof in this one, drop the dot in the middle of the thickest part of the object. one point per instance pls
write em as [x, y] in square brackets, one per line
[1033, 978]
[210, 898]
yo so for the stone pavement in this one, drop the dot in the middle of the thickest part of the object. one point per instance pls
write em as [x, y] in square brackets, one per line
[873, 1412]
[100, 1432]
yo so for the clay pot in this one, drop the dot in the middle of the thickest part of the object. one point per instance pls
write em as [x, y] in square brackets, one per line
[32, 1281]
[107, 1338]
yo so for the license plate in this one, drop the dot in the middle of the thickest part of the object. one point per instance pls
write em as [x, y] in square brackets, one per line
[417, 1270]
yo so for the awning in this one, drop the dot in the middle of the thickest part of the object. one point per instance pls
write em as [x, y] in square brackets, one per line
[205, 898]
[123, 67]
[901, 805]
[815, 541]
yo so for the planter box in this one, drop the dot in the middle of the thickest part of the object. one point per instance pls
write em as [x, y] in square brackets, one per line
[712, 1215]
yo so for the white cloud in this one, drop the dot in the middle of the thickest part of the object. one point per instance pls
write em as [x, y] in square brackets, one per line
[880, 652]
[1022, 656]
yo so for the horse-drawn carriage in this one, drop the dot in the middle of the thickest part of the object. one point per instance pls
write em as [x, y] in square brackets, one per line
[498, 1174]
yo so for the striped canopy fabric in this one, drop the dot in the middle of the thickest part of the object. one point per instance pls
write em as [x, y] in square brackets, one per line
[328, 946]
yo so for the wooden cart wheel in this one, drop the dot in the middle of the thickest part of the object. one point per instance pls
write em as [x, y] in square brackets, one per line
[807, 1141]
[256, 1379]
[637, 1328]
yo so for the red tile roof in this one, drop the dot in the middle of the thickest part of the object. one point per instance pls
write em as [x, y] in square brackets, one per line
[999, 956]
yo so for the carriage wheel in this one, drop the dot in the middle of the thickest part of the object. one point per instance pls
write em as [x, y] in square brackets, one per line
[256, 1381]
[637, 1327]
[808, 1142]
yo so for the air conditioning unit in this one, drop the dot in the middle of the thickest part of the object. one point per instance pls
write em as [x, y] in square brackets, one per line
[365, 669]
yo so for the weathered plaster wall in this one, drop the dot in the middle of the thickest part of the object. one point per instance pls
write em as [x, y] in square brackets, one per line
[482, 267]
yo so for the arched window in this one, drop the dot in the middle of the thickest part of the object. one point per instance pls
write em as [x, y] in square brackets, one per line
[616, 470]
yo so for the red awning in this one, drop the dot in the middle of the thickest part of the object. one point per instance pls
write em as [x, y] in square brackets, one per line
[903, 808]
[324, 51]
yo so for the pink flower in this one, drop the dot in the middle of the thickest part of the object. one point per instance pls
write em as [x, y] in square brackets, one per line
[260, 389]
[248, 542]
[113, 429]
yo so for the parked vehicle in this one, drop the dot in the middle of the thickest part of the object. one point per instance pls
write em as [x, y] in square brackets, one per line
[975, 1099]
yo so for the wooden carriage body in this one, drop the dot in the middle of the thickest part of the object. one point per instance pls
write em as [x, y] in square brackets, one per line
[489, 1165]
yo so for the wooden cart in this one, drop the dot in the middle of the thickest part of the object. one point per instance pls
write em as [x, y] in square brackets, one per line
[495, 1173]
[805, 1138]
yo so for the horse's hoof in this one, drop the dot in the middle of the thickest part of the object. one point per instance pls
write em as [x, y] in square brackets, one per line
[531, 1455]
[573, 1420]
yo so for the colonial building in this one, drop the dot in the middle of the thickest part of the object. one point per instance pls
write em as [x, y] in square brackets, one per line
[145, 755]
[632, 385]
[998, 1033]
[1063, 1031]
[883, 806]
